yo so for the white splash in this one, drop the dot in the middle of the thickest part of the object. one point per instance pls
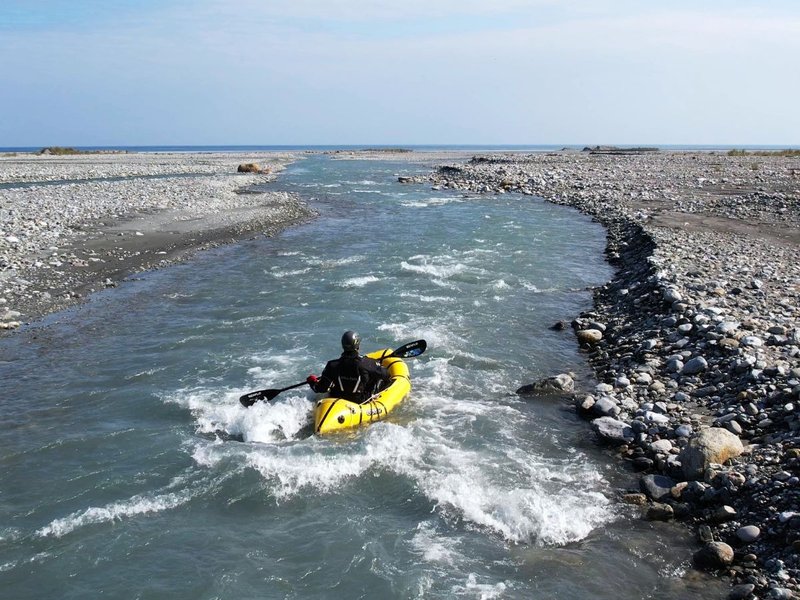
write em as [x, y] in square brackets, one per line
[280, 274]
[358, 282]
[428, 202]
[483, 591]
[137, 505]
[265, 421]
[432, 547]
[439, 271]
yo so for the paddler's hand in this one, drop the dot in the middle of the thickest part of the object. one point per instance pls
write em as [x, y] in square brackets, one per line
[312, 381]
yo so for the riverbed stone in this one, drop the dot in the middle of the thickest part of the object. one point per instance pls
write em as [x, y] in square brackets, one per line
[657, 487]
[662, 446]
[606, 407]
[589, 337]
[613, 430]
[748, 533]
[742, 591]
[710, 446]
[713, 555]
[659, 511]
[557, 384]
[698, 364]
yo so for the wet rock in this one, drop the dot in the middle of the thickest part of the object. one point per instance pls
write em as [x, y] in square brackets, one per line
[558, 384]
[585, 403]
[605, 407]
[714, 555]
[589, 337]
[657, 487]
[780, 593]
[659, 512]
[612, 430]
[635, 499]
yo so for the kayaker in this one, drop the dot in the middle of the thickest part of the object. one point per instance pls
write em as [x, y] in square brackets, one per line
[351, 376]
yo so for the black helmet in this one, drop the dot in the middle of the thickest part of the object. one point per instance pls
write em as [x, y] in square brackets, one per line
[351, 341]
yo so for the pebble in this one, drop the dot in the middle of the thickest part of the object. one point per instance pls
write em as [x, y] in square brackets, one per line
[748, 533]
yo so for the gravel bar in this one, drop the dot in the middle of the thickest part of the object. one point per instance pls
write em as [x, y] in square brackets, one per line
[73, 224]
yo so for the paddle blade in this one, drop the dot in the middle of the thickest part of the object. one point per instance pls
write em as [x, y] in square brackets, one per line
[249, 399]
[411, 349]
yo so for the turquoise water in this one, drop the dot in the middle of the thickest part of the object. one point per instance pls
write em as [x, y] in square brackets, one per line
[129, 469]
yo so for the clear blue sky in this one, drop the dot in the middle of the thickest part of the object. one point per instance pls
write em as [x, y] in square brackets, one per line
[148, 72]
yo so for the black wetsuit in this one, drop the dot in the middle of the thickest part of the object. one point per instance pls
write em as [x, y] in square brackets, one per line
[352, 377]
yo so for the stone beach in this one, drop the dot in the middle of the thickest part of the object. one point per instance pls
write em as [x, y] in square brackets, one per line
[695, 342]
[73, 224]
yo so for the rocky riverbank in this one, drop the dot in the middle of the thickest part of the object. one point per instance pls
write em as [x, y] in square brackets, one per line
[695, 342]
[73, 224]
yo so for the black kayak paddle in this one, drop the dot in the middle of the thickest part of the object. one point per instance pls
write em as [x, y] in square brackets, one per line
[409, 350]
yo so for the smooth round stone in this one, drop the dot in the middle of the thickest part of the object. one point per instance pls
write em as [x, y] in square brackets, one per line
[698, 364]
[748, 533]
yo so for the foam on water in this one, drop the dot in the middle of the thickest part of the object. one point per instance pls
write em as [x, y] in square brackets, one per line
[431, 547]
[279, 273]
[433, 267]
[358, 282]
[437, 334]
[332, 263]
[484, 591]
[138, 505]
[265, 421]
[429, 202]
[512, 497]
[180, 491]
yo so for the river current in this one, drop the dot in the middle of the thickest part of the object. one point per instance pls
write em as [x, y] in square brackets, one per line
[130, 470]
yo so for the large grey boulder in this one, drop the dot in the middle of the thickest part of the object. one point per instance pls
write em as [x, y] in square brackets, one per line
[558, 384]
[712, 445]
[613, 430]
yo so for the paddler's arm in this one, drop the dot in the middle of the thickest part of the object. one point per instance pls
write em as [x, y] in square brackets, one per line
[322, 383]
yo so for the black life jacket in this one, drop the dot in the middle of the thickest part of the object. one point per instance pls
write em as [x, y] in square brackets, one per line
[350, 380]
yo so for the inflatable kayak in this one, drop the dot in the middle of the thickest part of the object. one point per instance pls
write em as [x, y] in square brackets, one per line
[337, 414]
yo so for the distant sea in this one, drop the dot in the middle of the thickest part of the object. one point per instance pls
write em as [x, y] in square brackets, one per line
[414, 147]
